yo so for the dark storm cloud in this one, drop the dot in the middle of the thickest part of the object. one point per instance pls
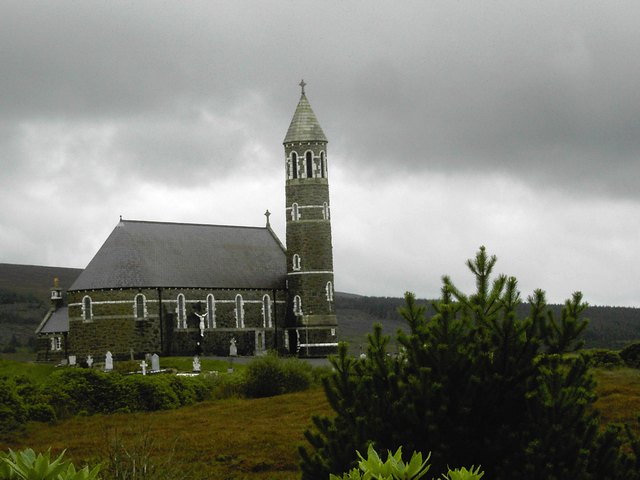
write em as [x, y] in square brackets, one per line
[489, 121]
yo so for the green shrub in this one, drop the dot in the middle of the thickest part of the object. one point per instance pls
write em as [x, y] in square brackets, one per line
[603, 358]
[13, 413]
[631, 355]
[271, 375]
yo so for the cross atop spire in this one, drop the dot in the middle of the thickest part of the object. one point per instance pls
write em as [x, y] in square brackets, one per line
[267, 214]
[302, 85]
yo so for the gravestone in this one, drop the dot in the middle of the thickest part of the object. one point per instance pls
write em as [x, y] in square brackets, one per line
[89, 360]
[143, 366]
[196, 365]
[155, 363]
[72, 360]
[108, 362]
[233, 350]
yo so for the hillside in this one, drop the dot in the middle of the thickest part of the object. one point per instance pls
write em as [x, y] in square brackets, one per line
[24, 298]
[25, 290]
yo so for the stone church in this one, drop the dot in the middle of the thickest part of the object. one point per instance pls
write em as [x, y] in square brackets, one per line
[185, 289]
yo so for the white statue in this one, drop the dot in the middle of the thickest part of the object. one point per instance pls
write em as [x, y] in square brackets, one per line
[196, 364]
[89, 360]
[201, 317]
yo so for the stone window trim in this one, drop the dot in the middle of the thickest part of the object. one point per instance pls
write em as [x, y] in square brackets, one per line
[296, 262]
[309, 164]
[295, 212]
[181, 311]
[323, 165]
[56, 343]
[140, 311]
[266, 311]
[326, 212]
[239, 311]
[297, 306]
[293, 166]
[211, 311]
[87, 309]
[329, 291]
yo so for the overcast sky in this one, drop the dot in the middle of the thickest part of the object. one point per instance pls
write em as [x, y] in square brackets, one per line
[451, 124]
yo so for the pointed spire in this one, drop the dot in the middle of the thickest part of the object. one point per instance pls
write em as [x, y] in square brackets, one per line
[304, 124]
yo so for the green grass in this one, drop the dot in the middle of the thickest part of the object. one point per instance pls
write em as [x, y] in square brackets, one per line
[235, 438]
[224, 439]
[34, 371]
[619, 395]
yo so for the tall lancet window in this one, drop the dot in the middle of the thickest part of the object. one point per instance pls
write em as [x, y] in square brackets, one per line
[239, 312]
[140, 307]
[295, 212]
[87, 309]
[181, 312]
[294, 165]
[323, 166]
[266, 311]
[297, 305]
[329, 290]
[296, 262]
[309, 164]
[211, 311]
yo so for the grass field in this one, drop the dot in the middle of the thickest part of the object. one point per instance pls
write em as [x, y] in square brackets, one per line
[238, 438]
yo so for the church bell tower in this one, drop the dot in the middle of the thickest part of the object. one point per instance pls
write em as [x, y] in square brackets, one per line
[311, 317]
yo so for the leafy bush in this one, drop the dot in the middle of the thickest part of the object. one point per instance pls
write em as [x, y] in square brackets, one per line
[631, 355]
[476, 384]
[26, 465]
[602, 358]
[13, 413]
[271, 375]
[395, 469]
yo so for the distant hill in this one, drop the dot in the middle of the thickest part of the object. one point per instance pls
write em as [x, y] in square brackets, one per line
[25, 292]
[609, 327]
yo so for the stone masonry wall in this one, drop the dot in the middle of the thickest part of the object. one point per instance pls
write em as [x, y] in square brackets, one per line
[115, 327]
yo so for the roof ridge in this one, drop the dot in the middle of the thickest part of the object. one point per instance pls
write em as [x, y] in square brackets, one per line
[156, 222]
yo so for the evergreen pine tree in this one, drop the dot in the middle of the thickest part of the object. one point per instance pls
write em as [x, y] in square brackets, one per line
[474, 385]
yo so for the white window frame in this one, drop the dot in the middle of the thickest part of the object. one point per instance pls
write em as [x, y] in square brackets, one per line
[239, 311]
[145, 313]
[211, 312]
[266, 311]
[181, 313]
[87, 316]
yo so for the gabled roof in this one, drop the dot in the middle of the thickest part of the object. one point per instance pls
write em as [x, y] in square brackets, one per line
[55, 321]
[304, 124]
[141, 254]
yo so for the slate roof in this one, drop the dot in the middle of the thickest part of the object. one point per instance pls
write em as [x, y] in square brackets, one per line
[141, 254]
[304, 124]
[56, 321]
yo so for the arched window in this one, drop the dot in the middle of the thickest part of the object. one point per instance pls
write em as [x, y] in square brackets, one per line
[325, 211]
[211, 311]
[266, 311]
[323, 165]
[297, 305]
[294, 164]
[181, 312]
[295, 212]
[329, 290]
[87, 309]
[239, 312]
[309, 162]
[140, 307]
[296, 262]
